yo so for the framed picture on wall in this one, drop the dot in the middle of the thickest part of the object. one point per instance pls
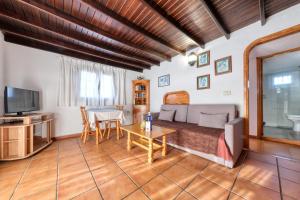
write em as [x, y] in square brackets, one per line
[203, 59]
[164, 80]
[223, 65]
[203, 82]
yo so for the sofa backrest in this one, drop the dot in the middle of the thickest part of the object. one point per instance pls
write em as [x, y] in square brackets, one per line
[181, 111]
[194, 110]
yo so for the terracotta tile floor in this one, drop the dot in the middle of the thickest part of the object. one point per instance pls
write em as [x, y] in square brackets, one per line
[69, 169]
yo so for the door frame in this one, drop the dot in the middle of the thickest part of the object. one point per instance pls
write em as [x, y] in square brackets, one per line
[249, 48]
[259, 87]
[259, 73]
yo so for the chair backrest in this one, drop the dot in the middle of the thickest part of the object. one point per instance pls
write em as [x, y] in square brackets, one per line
[119, 107]
[84, 115]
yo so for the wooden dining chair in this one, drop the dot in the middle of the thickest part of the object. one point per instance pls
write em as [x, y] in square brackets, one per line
[87, 128]
[108, 125]
[117, 123]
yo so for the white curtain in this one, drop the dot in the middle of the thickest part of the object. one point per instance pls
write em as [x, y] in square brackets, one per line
[91, 84]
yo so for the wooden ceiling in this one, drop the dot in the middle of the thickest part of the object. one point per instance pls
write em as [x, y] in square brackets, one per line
[130, 34]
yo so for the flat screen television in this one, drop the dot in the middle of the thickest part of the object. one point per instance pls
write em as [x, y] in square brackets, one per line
[18, 100]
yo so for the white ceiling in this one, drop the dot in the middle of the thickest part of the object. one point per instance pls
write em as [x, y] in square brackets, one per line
[282, 63]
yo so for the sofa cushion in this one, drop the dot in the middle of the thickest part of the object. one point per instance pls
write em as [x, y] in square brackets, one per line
[213, 120]
[194, 111]
[180, 111]
[167, 115]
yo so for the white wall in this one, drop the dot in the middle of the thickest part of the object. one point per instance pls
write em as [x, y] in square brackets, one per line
[39, 70]
[183, 77]
[1, 73]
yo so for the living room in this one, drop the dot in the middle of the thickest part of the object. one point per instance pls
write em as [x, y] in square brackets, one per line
[149, 99]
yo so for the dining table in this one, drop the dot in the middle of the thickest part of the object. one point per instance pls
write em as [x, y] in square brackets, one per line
[98, 115]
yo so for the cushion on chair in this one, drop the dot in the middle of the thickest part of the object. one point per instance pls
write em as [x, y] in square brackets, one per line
[167, 115]
[213, 120]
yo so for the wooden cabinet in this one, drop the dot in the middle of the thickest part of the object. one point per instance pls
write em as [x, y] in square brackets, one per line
[25, 136]
[141, 99]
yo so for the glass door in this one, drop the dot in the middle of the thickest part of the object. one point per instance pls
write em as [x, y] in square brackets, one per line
[281, 96]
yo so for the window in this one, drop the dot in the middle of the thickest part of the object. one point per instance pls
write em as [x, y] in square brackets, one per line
[88, 85]
[282, 80]
[107, 87]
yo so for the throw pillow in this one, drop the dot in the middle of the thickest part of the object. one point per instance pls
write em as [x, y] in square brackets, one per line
[167, 115]
[213, 120]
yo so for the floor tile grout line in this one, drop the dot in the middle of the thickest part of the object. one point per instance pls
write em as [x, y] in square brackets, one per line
[184, 189]
[237, 175]
[257, 185]
[18, 183]
[161, 173]
[83, 193]
[286, 158]
[197, 174]
[141, 187]
[57, 171]
[89, 169]
[284, 178]
[279, 179]
[116, 162]
[276, 156]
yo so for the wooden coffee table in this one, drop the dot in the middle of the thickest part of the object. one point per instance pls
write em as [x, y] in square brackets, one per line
[145, 140]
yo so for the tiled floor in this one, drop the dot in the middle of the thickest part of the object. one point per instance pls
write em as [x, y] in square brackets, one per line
[278, 132]
[70, 170]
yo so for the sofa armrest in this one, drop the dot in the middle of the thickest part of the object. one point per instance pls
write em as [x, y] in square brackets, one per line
[234, 137]
[155, 115]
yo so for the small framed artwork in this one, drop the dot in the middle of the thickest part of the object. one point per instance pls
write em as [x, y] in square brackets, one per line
[223, 65]
[203, 82]
[164, 80]
[203, 59]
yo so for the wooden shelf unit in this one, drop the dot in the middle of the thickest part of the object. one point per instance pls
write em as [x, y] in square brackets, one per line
[25, 137]
[141, 99]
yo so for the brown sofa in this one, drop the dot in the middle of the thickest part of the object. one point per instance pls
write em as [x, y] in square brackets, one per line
[221, 145]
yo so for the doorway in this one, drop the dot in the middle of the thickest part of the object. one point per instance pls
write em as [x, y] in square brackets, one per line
[279, 96]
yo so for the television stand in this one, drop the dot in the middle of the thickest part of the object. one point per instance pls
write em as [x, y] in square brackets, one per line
[24, 136]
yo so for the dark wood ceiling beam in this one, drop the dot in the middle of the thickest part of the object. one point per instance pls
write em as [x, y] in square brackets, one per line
[215, 17]
[262, 13]
[124, 21]
[170, 20]
[77, 48]
[47, 47]
[69, 18]
[17, 18]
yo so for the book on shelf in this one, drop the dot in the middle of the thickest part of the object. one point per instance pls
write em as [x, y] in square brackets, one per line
[140, 95]
[140, 87]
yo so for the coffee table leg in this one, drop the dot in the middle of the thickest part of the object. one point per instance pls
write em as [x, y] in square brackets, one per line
[164, 146]
[129, 141]
[150, 151]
